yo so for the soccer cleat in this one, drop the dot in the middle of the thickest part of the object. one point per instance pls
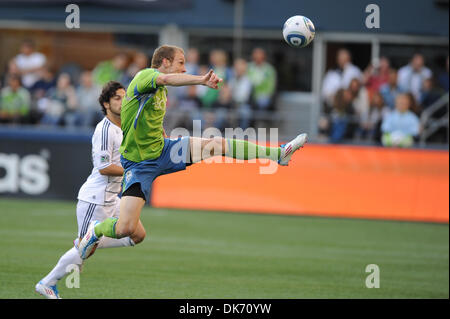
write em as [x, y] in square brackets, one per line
[49, 292]
[288, 149]
[89, 242]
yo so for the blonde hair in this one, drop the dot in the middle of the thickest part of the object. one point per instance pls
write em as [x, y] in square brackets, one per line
[164, 52]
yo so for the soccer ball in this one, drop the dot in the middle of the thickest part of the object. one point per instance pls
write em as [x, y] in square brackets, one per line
[298, 31]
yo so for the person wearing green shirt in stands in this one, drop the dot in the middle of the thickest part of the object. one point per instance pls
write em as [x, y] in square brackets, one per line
[263, 77]
[111, 70]
[14, 101]
[147, 152]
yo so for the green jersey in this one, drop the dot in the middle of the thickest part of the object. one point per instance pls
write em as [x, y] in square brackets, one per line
[143, 110]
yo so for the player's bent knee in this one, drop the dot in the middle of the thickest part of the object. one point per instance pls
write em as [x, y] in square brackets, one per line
[218, 144]
[218, 141]
[138, 236]
[124, 230]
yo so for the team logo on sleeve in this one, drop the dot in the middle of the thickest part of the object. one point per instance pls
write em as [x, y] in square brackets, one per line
[104, 159]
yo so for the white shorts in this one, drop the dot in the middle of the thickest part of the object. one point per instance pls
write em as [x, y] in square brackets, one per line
[87, 212]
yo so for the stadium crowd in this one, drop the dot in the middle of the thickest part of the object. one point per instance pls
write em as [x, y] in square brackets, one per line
[380, 104]
[32, 93]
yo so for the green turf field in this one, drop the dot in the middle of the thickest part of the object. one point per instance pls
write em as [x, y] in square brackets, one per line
[192, 254]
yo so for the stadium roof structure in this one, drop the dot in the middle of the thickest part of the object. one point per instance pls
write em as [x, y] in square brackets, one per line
[417, 17]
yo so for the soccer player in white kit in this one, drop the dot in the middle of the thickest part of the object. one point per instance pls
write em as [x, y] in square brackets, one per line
[97, 198]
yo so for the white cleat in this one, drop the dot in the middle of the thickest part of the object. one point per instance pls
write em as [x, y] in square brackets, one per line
[89, 242]
[288, 149]
[49, 292]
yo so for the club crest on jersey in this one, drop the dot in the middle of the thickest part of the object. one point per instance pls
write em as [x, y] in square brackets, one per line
[160, 102]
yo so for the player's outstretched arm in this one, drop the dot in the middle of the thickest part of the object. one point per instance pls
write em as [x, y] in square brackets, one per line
[179, 79]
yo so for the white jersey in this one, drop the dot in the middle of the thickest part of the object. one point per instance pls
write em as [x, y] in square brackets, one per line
[101, 189]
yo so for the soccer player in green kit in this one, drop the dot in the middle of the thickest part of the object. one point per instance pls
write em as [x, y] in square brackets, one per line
[147, 152]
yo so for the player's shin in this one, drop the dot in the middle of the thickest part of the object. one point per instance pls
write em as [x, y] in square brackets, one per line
[246, 150]
[71, 257]
[106, 242]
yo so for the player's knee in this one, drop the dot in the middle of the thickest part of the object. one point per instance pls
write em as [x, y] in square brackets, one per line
[139, 237]
[219, 143]
[125, 230]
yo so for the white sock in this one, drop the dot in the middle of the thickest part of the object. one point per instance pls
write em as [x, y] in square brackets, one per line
[107, 242]
[70, 257]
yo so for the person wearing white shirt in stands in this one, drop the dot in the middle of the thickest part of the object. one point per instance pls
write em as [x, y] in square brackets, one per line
[411, 76]
[341, 77]
[29, 63]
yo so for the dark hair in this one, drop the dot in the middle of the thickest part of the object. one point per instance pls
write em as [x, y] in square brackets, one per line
[29, 42]
[14, 77]
[108, 91]
[164, 52]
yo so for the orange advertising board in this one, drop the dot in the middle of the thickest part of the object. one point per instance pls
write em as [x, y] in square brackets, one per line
[322, 180]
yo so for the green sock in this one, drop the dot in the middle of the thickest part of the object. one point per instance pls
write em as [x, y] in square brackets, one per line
[106, 228]
[246, 150]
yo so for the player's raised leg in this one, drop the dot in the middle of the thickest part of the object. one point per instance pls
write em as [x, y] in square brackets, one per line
[203, 148]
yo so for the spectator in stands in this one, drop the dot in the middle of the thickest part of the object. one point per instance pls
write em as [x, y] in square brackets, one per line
[192, 60]
[263, 78]
[414, 105]
[14, 101]
[330, 85]
[340, 77]
[29, 63]
[430, 93]
[370, 128]
[61, 103]
[11, 69]
[45, 83]
[341, 115]
[88, 113]
[39, 92]
[221, 108]
[411, 76]
[400, 126]
[360, 102]
[241, 89]
[140, 62]
[218, 60]
[111, 70]
[376, 75]
[390, 90]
